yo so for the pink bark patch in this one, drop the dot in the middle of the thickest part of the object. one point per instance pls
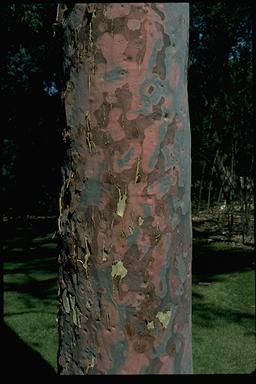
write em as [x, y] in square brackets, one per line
[143, 243]
[98, 160]
[134, 362]
[174, 283]
[101, 27]
[131, 299]
[161, 222]
[174, 76]
[151, 134]
[136, 198]
[154, 189]
[133, 24]
[114, 127]
[117, 10]
[109, 334]
[104, 361]
[167, 364]
[135, 149]
[112, 47]
[131, 115]
[158, 256]
[168, 102]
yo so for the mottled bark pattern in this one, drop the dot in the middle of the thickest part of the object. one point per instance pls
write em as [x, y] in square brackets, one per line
[125, 223]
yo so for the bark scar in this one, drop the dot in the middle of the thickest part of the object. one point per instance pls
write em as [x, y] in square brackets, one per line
[89, 137]
[86, 257]
[138, 175]
[121, 204]
[90, 365]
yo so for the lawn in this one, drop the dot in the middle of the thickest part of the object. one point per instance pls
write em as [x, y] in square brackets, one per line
[223, 309]
[223, 302]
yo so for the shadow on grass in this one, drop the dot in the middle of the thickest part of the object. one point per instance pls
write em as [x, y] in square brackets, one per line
[31, 272]
[206, 315]
[21, 233]
[43, 290]
[20, 359]
[211, 264]
[36, 259]
[211, 260]
[30, 258]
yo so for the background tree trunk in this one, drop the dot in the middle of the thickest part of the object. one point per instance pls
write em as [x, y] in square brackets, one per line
[125, 215]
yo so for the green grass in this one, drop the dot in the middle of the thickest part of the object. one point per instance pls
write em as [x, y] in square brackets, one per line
[223, 325]
[30, 292]
[223, 301]
[223, 308]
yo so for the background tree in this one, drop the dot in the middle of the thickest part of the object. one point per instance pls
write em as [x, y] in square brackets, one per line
[220, 89]
[125, 223]
[32, 118]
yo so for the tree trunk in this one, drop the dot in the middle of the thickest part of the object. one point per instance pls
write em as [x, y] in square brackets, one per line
[125, 215]
[211, 181]
[201, 187]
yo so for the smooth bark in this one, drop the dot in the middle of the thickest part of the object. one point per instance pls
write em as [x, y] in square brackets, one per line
[125, 215]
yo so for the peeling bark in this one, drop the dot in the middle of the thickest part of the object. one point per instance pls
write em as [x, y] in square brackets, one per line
[125, 220]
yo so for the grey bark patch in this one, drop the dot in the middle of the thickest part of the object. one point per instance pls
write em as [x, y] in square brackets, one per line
[168, 159]
[149, 98]
[175, 220]
[147, 210]
[183, 204]
[92, 192]
[115, 74]
[132, 239]
[181, 268]
[160, 67]
[165, 183]
[122, 162]
[162, 133]
[117, 351]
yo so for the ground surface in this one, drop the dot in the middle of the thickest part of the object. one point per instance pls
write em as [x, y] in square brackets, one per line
[223, 299]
